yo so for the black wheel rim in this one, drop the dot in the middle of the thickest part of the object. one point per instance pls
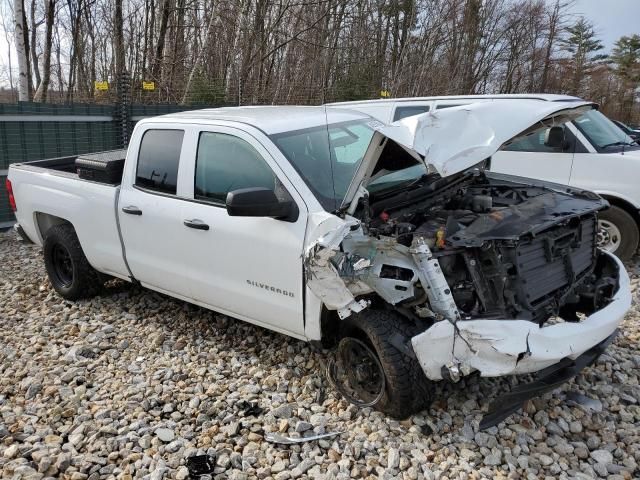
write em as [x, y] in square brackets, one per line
[357, 373]
[62, 266]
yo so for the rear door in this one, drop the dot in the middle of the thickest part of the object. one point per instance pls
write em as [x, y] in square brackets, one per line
[150, 210]
[531, 157]
[248, 267]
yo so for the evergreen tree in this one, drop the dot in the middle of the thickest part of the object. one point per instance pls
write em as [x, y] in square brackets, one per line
[625, 58]
[583, 46]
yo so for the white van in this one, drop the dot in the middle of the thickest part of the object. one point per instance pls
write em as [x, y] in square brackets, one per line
[590, 152]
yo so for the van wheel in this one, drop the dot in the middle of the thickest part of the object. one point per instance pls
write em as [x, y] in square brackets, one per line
[618, 232]
[371, 362]
[67, 267]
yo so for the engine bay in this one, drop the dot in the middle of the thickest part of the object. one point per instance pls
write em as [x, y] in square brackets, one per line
[506, 250]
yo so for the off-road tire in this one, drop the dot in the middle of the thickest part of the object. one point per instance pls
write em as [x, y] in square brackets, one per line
[628, 228]
[83, 280]
[407, 390]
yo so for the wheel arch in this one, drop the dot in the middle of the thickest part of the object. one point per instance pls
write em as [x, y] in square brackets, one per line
[44, 222]
[624, 205]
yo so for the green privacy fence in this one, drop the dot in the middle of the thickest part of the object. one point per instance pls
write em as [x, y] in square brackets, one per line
[33, 131]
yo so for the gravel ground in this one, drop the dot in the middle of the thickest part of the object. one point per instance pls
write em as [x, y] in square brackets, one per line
[131, 383]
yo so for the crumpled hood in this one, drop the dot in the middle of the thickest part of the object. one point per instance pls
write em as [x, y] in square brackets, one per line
[454, 139]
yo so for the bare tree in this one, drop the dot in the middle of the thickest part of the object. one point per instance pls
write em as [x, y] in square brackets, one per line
[312, 51]
[21, 51]
[43, 87]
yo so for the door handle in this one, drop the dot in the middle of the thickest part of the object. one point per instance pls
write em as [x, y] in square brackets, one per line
[197, 224]
[131, 210]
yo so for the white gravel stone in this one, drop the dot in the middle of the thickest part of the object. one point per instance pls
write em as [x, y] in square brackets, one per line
[602, 456]
[165, 434]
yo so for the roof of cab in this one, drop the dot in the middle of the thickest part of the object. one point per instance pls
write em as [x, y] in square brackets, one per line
[270, 119]
[520, 96]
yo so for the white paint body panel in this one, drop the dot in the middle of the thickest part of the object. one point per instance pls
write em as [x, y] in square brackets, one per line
[492, 346]
[611, 174]
[88, 206]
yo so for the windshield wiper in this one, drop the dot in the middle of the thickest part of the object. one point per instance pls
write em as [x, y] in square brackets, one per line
[618, 144]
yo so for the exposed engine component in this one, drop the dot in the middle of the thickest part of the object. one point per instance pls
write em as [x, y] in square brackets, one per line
[502, 250]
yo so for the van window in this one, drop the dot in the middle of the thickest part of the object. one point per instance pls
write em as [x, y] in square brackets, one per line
[532, 143]
[600, 131]
[409, 111]
[225, 163]
[158, 160]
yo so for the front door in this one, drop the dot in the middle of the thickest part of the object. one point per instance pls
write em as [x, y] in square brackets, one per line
[530, 157]
[249, 267]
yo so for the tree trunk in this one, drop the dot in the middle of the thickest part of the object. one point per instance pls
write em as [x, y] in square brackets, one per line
[119, 39]
[198, 59]
[554, 19]
[43, 88]
[34, 43]
[156, 70]
[21, 50]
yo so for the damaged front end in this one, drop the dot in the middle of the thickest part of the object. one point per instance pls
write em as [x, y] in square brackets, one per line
[504, 277]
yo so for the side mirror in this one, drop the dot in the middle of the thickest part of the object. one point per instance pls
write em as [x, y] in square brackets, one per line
[554, 137]
[260, 202]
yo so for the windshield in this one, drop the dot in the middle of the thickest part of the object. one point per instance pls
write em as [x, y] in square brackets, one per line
[326, 157]
[393, 180]
[600, 131]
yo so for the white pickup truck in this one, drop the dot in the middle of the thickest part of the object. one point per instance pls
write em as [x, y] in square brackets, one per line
[389, 243]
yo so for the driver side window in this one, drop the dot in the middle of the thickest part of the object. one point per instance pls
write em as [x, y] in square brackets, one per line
[225, 163]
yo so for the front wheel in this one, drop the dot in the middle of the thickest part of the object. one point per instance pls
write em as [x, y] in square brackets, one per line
[618, 232]
[376, 370]
[68, 269]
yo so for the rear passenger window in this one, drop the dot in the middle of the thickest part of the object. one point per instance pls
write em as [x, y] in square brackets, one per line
[409, 111]
[158, 160]
[225, 163]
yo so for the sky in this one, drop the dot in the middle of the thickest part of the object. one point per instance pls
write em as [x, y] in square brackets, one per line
[611, 19]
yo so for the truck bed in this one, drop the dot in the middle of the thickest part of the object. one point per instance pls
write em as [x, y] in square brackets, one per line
[66, 166]
[50, 191]
[60, 164]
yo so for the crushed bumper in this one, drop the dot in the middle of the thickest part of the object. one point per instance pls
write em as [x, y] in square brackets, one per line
[547, 380]
[506, 347]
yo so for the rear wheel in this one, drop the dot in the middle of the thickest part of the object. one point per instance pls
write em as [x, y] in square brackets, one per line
[376, 370]
[69, 272]
[618, 232]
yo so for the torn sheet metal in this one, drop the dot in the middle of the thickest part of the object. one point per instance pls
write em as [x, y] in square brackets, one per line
[383, 256]
[506, 347]
[283, 440]
[321, 274]
[368, 264]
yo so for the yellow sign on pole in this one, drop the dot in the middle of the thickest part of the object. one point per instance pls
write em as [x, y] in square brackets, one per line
[385, 93]
[148, 86]
[101, 85]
